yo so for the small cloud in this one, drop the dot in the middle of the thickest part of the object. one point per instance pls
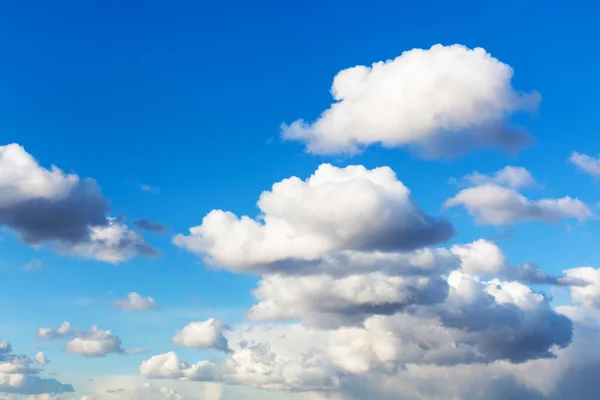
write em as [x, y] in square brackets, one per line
[150, 226]
[148, 188]
[33, 265]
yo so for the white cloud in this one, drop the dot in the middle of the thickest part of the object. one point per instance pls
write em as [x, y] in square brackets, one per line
[135, 302]
[350, 208]
[112, 243]
[322, 300]
[515, 177]
[203, 335]
[588, 164]
[589, 293]
[497, 205]
[443, 100]
[94, 343]
[168, 365]
[480, 257]
[48, 206]
[41, 358]
[48, 333]
[17, 375]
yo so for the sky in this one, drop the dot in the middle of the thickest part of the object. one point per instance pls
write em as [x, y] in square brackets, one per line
[298, 200]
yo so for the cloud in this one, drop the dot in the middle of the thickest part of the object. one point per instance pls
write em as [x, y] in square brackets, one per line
[442, 101]
[135, 302]
[63, 330]
[150, 226]
[168, 365]
[514, 177]
[94, 343]
[336, 209]
[148, 188]
[587, 294]
[493, 204]
[322, 300]
[46, 205]
[19, 377]
[33, 265]
[41, 358]
[113, 243]
[587, 164]
[203, 335]
[480, 257]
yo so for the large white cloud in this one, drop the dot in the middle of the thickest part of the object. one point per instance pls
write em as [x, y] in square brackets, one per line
[350, 208]
[46, 205]
[323, 300]
[497, 202]
[443, 100]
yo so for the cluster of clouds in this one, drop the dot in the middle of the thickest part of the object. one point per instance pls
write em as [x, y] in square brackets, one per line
[93, 343]
[356, 294]
[19, 375]
[356, 297]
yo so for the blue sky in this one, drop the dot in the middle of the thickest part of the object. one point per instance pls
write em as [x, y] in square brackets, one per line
[188, 97]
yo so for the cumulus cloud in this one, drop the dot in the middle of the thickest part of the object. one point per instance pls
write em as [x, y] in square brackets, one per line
[587, 293]
[515, 177]
[135, 302]
[443, 101]
[94, 343]
[481, 257]
[149, 225]
[203, 335]
[17, 375]
[41, 358]
[322, 300]
[588, 164]
[113, 243]
[46, 205]
[497, 202]
[336, 209]
[63, 330]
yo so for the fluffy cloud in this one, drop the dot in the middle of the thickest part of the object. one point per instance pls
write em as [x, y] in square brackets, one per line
[480, 257]
[587, 293]
[168, 365]
[444, 100]
[589, 165]
[135, 302]
[491, 203]
[63, 330]
[203, 335]
[515, 177]
[336, 209]
[19, 377]
[113, 243]
[94, 343]
[46, 205]
[41, 358]
[322, 300]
